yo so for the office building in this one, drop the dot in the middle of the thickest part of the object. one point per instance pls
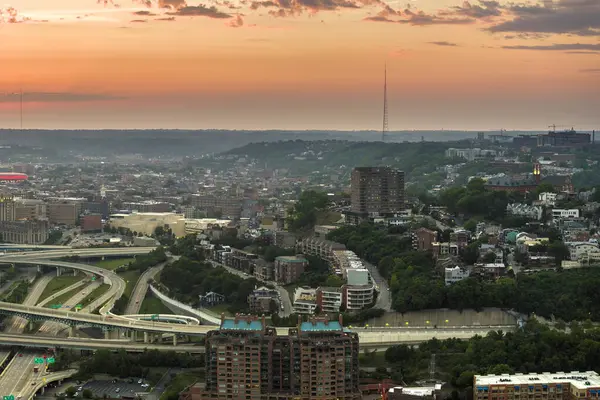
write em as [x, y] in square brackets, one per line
[31, 209]
[7, 208]
[149, 206]
[64, 212]
[375, 191]
[245, 359]
[556, 386]
[91, 223]
[24, 232]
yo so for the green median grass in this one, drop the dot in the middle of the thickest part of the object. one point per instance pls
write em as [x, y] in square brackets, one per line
[152, 305]
[113, 263]
[63, 298]
[59, 283]
[96, 293]
[131, 278]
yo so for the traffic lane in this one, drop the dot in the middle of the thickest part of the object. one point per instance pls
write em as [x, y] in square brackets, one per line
[384, 298]
[19, 373]
[55, 327]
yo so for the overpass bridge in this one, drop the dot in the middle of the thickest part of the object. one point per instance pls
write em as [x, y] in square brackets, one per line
[154, 329]
[29, 247]
[48, 258]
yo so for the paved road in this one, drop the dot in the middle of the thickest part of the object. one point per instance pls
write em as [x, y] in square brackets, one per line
[18, 375]
[74, 286]
[53, 328]
[141, 288]
[18, 323]
[384, 298]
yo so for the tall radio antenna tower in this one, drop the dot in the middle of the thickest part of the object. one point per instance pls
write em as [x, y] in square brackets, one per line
[385, 105]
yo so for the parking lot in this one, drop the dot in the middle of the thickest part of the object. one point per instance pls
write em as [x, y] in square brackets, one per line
[120, 388]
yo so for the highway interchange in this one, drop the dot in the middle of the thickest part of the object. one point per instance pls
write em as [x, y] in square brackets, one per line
[18, 377]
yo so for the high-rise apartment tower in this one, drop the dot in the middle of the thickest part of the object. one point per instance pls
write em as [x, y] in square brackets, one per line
[247, 360]
[377, 191]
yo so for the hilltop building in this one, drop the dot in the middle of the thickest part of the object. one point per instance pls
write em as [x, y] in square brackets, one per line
[375, 192]
[529, 182]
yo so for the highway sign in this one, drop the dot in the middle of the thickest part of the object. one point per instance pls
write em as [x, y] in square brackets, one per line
[11, 397]
[93, 278]
[56, 306]
[79, 306]
[38, 360]
[154, 316]
[50, 360]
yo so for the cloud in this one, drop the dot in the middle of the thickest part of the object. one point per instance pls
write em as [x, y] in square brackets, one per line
[420, 18]
[285, 8]
[565, 17]
[144, 13]
[172, 4]
[483, 10]
[444, 44]
[583, 52]
[139, 20]
[590, 70]
[236, 22]
[200, 11]
[55, 97]
[559, 47]
[165, 19]
[10, 15]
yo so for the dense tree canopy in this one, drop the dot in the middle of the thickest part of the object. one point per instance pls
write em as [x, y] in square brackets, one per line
[416, 284]
[303, 214]
[535, 348]
[187, 279]
[475, 200]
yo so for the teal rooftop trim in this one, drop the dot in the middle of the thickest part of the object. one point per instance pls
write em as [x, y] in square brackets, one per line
[241, 325]
[320, 326]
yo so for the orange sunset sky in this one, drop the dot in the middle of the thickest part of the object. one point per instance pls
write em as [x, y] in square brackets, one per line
[300, 64]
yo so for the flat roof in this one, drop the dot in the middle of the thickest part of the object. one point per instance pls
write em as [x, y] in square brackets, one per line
[580, 380]
[241, 325]
[321, 326]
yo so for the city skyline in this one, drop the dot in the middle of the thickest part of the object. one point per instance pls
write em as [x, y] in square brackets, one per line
[242, 64]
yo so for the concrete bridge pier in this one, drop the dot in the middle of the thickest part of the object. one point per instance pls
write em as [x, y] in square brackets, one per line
[43, 389]
[59, 271]
[39, 269]
[72, 331]
[146, 338]
[174, 340]
[132, 336]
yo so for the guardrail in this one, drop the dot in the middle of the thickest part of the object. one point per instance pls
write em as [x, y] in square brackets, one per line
[203, 316]
[53, 377]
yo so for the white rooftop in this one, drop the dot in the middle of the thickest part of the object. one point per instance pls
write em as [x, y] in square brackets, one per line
[580, 380]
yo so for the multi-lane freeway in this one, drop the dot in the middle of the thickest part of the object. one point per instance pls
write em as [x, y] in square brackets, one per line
[19, 324]
[53, 328]
[18, 375]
